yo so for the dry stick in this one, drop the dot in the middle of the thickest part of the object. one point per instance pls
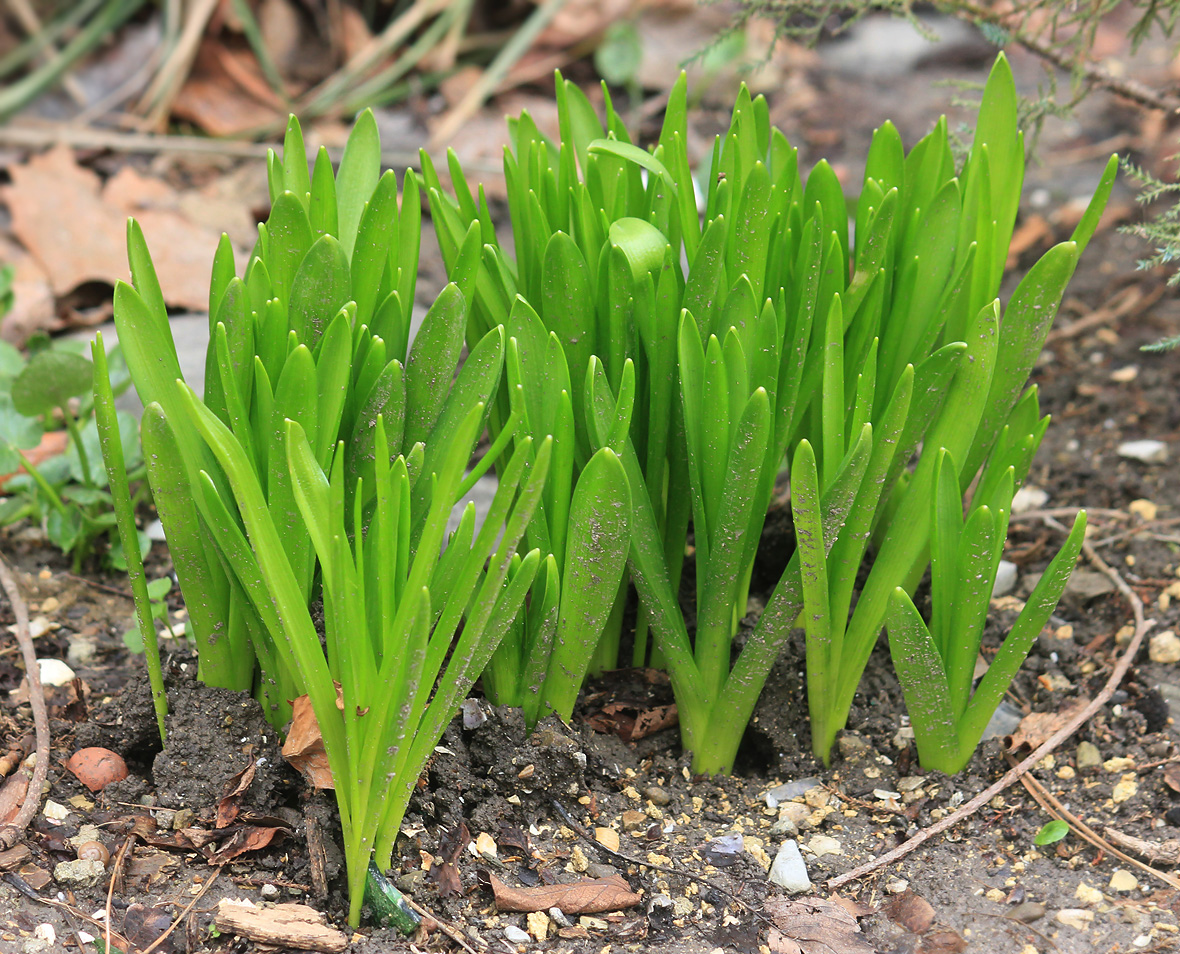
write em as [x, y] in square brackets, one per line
[581, 833]
[448, 929]
[1056, 809]
[11, 833]
[1120, 670]
[24, 12]
[1130, 89]
[183, 914]
[38, 136]
[116, 873]
[1131, 301]
[24, 888]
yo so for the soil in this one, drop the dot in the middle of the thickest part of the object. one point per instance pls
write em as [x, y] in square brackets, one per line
[984, 886]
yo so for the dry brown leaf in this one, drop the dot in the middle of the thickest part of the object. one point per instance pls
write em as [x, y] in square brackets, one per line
[814, 926]
[1172, 776]
[942, 942]
[61, 214]
[1037, 727]
[444, 872]
[235, 787]
[32, 297]
[304, 748]
[244, 839]
[213, 96]
[911, 911]
[588, 896]
[282, 925]
[579, 19]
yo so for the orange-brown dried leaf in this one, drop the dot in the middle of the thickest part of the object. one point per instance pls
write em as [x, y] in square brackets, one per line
[588, 896]
[304, 748]
[235, 787]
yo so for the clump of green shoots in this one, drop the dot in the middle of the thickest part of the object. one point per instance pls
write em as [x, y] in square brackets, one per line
[322, 464]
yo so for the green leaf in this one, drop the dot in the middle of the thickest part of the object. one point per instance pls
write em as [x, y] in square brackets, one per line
[634, 154]
[16, 430]
[431, 364]
[619, 53]
[357, 177]
[596, 552]
[49, 380]
[319, 290]
[1051, 833]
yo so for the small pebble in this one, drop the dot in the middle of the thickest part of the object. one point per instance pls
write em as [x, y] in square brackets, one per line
[821, 845]
[54, 811]
[1088, 894]
[1076, 918]
[789, 790]
[896, 886]
[1124, 374]
[559, 917]
[538, 922]
[1164, 647]
[1027, 911]
[1147, 451]
[788, 870]
[1029, 498]
[82, 873]
[657, 795]
[1124, 790]
[269, 891]
[634, 821]
[54, 672]
[852, 746]
[578, 859]
[1144, 509]
[81, 650]
[598, 870]
[1005, 579]
[1087, 756]
[516, 935]
[1123, 880]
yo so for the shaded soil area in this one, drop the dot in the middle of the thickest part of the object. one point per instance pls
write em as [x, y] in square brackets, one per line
[218, 813]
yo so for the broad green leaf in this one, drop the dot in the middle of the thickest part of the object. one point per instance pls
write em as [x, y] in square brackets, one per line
[357, 177]
[48, 381]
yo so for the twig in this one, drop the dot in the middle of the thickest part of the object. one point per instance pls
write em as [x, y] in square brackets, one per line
[448, 929]
[1084, 831]
[1123, 86]
[1147, 527]
[116, 874]
[183, 914]
[23, 887]
[581, 833]
[11, 833]
[1129, 301]
[1142, 625]
[39, 136]
[481, 89]
[24, 12]
[1007, 917]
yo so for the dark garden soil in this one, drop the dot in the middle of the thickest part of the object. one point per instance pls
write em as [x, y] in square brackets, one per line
[528, 810]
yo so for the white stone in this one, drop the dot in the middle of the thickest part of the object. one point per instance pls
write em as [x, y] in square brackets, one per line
[1005, 579]
[54, 672]
[788, 871]
[516, 935]
[1029, 498]
[1088, 894]
[80, 873]
[1076, 918]
[1164, 647]
[1148, 451]
[821, 845]
[1123, 880]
